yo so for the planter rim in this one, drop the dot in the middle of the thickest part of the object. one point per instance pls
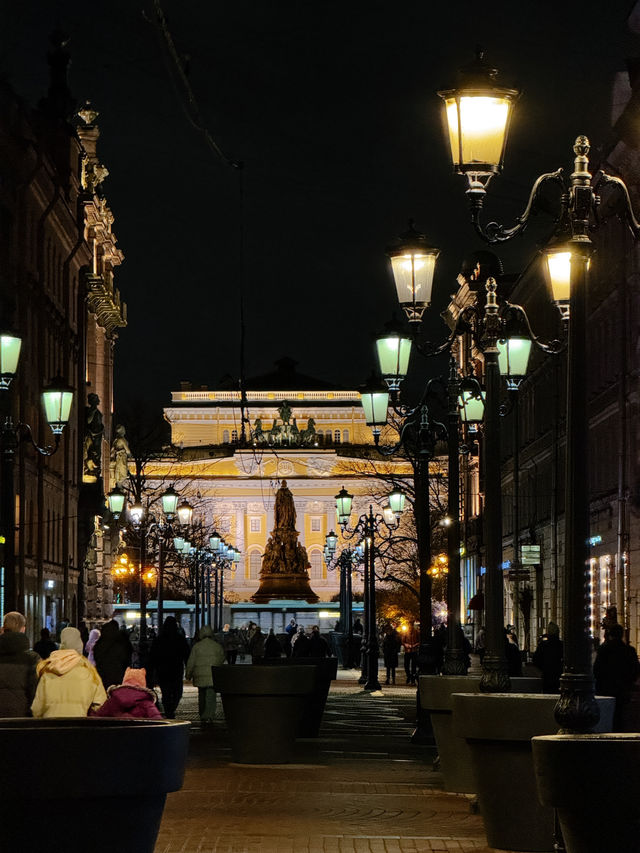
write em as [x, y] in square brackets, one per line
[594, 737]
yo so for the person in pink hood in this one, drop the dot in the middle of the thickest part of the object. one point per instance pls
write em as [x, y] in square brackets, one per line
[68, 685]
[132, 698]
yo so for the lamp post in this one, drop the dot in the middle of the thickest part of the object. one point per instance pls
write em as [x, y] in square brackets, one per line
[346, 562]
[468, 108]
[488, 321]
[145, 524]
[57, 399]
[367, 526]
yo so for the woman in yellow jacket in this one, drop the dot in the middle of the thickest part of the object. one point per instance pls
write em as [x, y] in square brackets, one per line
[68, 685]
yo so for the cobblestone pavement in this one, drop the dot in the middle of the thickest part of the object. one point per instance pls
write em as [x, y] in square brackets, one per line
[362, 786]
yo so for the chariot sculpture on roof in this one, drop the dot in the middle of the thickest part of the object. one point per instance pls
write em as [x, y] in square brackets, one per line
[286, 433]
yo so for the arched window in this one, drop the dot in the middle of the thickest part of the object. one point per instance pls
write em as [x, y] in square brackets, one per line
[345, 436]
[255, 564]
[234, 436]
[337, 436]
[315, 558]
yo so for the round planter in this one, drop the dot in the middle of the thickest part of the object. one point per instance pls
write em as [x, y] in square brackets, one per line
[498, 728]
[262, 707]
[64, 781]
[594, 783]
[455, 756]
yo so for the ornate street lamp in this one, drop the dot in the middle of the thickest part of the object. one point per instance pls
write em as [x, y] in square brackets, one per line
[115, 501]
[393, 347]
[170, 503]
[413, 263]
[185, 513]
[57, 399]
[10, 345]
[374, 397]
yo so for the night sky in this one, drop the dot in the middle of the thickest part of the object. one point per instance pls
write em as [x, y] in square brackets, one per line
[332, 108]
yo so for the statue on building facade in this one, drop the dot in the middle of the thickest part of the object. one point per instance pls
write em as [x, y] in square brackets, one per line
[120, 455]
[92, 447]
[287, 433]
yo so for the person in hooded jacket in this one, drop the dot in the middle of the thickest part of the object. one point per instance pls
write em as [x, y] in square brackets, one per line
[131, 699]
[18, 677]
[112, 653]
[168, 655]
[68, 686]
[206, 653]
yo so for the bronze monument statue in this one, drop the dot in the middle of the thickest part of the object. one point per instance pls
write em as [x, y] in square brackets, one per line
[284, 573]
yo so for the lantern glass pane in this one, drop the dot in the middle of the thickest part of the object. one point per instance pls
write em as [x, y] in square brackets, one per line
[169, 501]
[115, 500]
[413, 275]
[214, 543]
[559, 270]
[396, 501]
[484, 120]
[471, 407]
[9, 355]
[513, 356]
[344, 502]
[57, 407]
[375, 405]
[136, 512]
[185, 513]
[393, 356]
[178, 543]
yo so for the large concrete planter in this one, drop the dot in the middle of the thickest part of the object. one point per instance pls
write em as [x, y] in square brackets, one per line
[262, 707]
[594, 783]
[498, 728]
[435, 697]
[65, 782]
[326, 672]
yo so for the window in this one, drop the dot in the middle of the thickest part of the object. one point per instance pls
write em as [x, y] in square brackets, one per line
[255, 563]
[225, 525]
[345, 436]
[315, 558]
[225, 436]
[336, 436]
[316, 525]
[255, 524]
[234, 436]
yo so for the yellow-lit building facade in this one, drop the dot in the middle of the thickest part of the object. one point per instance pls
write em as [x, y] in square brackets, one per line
[232, 479]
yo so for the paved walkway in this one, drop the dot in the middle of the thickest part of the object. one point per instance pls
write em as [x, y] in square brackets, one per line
[362, 787]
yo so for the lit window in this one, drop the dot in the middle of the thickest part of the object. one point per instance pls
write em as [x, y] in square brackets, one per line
[255, 524]
[316, 525]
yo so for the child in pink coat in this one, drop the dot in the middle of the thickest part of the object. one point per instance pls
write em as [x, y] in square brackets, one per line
[131, 699]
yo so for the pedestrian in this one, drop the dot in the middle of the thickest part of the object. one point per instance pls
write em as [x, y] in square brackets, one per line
[94, 636]
[410, 645]
[356, 644]
[357, 627]
[206, 652]
[512, 654]
[132, 699]
[68, 685]
[230, 643]
[318, 646]
[291, 628]
[616, 670]
[112, 653]
[45, 644]
[256, 643]
[548, 659]
[167, 657]
[272, 647]
[300, 644]
[390, 649]
[18, 678]
[481, 643]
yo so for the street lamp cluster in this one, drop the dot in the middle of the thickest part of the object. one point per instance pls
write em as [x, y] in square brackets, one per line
[57, 399]
[365, 530]
[346, 562]
[175, 532]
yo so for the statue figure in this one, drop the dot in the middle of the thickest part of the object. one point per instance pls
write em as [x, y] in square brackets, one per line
[120, 453]
[285, 412]
[295, 434]
[93, 431]
[259, 436]
[285, 510]
[308, 435]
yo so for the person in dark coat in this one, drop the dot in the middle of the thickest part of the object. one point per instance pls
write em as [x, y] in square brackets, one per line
[548, 658]
[45, 644]
[300, 644]
[616, 669]
[167, 658]
[18, 679]
[317, 646]
[112, 654]
[390, 648]
[256, 643]
[512, 654]
[272, 647]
